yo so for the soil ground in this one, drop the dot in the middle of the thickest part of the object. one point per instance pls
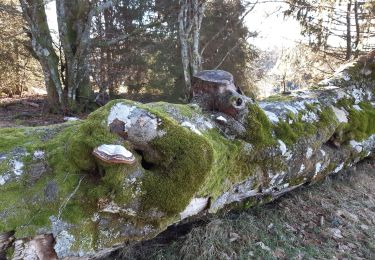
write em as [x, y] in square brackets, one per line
[27, 111]
[333, 220]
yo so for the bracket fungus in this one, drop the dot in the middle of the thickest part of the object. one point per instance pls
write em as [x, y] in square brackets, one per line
[111, 153]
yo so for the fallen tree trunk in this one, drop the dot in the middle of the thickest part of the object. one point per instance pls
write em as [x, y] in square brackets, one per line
[163, 162]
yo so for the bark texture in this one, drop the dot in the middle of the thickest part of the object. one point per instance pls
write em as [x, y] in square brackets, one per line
[190, 20]
[188, 160]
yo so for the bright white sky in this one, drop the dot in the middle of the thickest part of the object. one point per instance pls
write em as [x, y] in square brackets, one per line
[274, 30]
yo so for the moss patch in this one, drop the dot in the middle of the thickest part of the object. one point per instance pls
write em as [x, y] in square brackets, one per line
[361, 123]
[185, 161]
[258, 127]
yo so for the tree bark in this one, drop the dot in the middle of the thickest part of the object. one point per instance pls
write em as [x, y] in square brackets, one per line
[34, 13]
[348, 31]
[357, 28]
[190, 20]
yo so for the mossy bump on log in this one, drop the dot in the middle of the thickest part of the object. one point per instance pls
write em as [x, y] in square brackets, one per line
[52, 183]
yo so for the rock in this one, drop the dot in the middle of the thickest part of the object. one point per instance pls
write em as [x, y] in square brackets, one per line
[336, 233]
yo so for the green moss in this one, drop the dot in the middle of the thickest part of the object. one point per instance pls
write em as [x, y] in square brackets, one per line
[291, 133]
[361, 124]
[279, 98]
[258, 127]
[185, 159]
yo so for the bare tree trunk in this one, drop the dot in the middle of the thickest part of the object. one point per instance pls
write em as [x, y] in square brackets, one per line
[35, 15]
[357, 39]
[75, 41]
[190, 19]
[184, 31]
[198, 17]
[348, 32]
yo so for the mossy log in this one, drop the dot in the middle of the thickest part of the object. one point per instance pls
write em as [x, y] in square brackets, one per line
[187, 161]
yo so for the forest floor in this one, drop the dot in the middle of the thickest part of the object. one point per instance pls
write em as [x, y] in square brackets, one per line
[332, 220]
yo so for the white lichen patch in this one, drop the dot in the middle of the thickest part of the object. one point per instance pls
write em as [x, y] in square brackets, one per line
[292, 109]
[322, 152]
[309, 152]
[38, 155]
[288, 155]
[195, 206]
[64, 241]
[191, 127]
[301, 169]
[318, 168]
[17, 167]
[339, 168]
[120, 112]
[341, 114]
[4, 178]
[282, 147]
[356, 145]
[358, 94]
[310, 117]
[272, 116]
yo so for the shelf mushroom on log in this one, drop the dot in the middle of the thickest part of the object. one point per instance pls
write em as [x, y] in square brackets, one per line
[111, 153]
[221, 151]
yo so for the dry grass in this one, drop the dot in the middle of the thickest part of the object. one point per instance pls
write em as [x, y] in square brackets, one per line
[334, 220]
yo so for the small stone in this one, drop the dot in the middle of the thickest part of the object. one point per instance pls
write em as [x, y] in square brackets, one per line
[336, 233]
